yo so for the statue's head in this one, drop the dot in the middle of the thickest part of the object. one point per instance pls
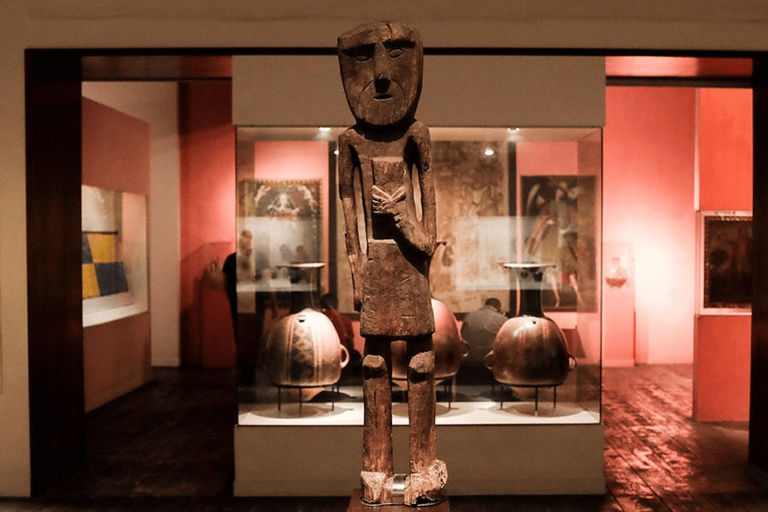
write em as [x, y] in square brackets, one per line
[381, 68]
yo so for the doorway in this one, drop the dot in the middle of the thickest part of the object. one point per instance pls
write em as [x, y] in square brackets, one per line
[55, 303]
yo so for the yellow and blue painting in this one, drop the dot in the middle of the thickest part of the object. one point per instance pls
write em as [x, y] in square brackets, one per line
[103, 272]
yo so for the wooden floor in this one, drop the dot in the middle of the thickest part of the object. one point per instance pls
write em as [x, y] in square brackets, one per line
[168, 447]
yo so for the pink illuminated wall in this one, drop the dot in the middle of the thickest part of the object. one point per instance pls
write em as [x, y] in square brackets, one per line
[721, 370]
[547, 158]
[207, 202]
[648, 194]
[115, 150]
[115, 156]
[725, 154]
[648, 190]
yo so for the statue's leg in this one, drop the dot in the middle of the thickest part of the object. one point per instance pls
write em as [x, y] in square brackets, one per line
[428, 475]
[378, 465]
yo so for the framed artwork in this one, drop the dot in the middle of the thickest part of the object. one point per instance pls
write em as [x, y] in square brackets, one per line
[727, 261]
[283, 219]
[559, 225]
[472, 189]
[103, 272]
[114, 254]
[103, 268]
[474, 230]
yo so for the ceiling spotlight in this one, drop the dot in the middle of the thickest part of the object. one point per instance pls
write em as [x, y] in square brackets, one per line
[513, 134]
[325, 129]
[489, 152]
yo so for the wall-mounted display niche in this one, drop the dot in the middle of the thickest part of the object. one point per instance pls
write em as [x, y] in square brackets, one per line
[114, 255]
[518, 226]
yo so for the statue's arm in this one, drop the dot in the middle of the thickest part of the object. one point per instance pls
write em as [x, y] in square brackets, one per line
[347, 166]
[421, 233]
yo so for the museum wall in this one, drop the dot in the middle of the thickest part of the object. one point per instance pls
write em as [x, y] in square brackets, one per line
[116, 354]
[115, 150]
[725, 149]
[207, 195]
[648, 194]
[713, 24]
[156, 103]
[721, 371]
[547, 158]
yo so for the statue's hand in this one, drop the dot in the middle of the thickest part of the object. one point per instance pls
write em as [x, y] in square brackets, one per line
[383, 202]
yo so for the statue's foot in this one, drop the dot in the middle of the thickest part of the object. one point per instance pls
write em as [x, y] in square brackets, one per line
[425, 487]
[377, 487]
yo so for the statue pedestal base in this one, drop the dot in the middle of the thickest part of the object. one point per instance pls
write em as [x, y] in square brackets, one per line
[356, 505]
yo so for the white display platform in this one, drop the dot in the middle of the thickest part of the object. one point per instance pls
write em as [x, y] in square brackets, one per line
[488, 449]
[458, 413]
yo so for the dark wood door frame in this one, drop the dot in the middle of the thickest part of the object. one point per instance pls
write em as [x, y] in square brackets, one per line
[758, 400]
[54, 282]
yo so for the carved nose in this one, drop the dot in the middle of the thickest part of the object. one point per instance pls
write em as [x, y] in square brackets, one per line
[381, 85]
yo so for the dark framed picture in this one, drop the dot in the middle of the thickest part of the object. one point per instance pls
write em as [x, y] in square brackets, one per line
[727, 261]
[559, 227]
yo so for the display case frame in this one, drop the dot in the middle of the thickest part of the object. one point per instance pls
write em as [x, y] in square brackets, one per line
[329, 420]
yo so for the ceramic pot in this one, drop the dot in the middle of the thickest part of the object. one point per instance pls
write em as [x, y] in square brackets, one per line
[450, 349]
[530, 349]
[303, 350]
[616, 275]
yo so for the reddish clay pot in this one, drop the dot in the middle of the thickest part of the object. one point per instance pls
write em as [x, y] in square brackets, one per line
[530, 349]
[450, 349]
[303, 350]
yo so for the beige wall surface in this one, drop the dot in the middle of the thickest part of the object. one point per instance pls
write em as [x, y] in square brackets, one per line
[271, 90]
[704, 24]
[522, 23]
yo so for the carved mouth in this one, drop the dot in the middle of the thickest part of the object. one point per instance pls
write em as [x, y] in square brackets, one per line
[382, 97]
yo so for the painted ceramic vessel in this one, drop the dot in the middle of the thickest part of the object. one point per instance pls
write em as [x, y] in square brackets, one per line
[530, 349]
[616, 275]
[450, 349]
[303, 350]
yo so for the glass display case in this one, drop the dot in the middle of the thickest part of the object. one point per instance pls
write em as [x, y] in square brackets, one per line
[518, 227]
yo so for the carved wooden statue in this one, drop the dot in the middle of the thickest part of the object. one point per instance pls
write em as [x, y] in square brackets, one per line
[388, 198]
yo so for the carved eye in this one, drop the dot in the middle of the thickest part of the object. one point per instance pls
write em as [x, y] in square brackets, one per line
[361, 53]
[397, 48]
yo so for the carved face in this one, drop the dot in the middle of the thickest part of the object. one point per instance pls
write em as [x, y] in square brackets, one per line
[381, 69]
